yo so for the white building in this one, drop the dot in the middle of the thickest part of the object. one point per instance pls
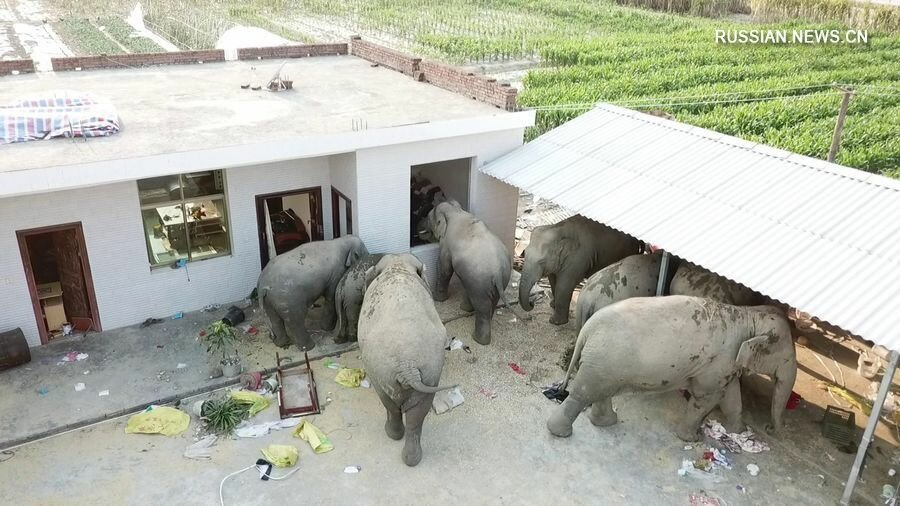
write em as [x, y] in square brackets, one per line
[103, 217]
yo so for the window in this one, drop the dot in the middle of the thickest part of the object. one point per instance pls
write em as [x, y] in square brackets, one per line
[185, 217]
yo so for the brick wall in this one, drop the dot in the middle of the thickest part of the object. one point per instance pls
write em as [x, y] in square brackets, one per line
[296, 51]
[385, 57]
[137, 60]
[468, 84]
[8, 66]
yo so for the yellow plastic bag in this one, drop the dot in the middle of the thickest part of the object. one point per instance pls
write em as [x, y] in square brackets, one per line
[163, 420]
[349, 377]
[281, 455]
[316, 438]
[257, 402]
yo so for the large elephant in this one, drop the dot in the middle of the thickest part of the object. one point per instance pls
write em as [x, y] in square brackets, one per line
[476, 255]
[292, 282]
[693, 280]
[632, 276]
[402, 340]
[566, 253]
[659, 344]
[348, 297]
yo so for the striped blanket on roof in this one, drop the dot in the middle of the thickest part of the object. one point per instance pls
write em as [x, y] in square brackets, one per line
[57, 114]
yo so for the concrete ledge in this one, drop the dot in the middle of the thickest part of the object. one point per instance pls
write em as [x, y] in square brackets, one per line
[136, 60]
[296, 51]
[22, 66]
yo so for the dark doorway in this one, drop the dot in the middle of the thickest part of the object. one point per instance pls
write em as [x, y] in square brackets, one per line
[287, 220]
[341, 214]
[59, 279]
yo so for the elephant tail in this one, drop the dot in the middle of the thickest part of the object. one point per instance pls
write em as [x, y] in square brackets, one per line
[576, 357]
[339, 307]
[502, 293]
[411, 377]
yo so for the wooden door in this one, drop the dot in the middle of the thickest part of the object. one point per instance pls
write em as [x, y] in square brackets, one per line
[339, 201]
[317, 227]
[68, 255]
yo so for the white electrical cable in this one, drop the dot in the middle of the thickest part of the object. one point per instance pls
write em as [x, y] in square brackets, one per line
[262, 471]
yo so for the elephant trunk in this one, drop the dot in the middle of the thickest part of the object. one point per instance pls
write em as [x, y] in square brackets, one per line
[526, 283]
[784, 378]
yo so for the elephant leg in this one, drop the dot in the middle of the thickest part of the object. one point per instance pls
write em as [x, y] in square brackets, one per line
[731, 405]
[484, 313]
[704, 397]
[445, 272]
[552, 279]
[393, 426]
[562, 297]
[560, 422]
[602, 414]
[276, 325]
[352, 321]
[296, 328]
[329, 312]
[466, 303]
[343, 330]
[417, 410]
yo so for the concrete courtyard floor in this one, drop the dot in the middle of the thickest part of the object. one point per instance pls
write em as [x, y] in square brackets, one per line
[493, 449]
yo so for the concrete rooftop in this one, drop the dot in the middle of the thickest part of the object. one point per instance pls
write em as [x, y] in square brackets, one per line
[178, 108]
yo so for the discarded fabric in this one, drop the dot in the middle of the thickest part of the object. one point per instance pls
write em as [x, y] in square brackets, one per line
[256, 402]
[554, 393]
[490, 393]
[703, 500]
[687, 469]
[317, 439]
[201, 449]
[736, 443]
[281, 455]
[261, 429]
[74, 356]
[349, 378]
[455, 344]
[515, 367]
[57, 113]
[445, 400]
[163, 420]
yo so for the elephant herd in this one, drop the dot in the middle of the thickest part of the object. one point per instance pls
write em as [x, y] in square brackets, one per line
[700, 338]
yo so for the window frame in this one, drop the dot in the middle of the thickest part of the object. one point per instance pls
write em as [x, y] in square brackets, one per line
[223, 196]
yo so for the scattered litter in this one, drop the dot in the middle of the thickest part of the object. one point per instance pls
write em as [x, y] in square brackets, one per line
[43, 391]
[793, 401]
[455, 344]
[688, 447]
[352, 469]
[490, 393]
[331, 364]
[703, 500]
[892, 472]
[716, 458]
[365, 383]
[201, 449]
[181, 366]
[317, 439]
[163, 420]
[445, 400]
[234, 316]
[515, 367]
[830, 457]
[745, 441]
[103, 393]
[256, 402]
[86, 373]
[250, 380]
[753, 469]
[740, 488]
[248, 329]
[79, 387]
[555, 393]
[150, 321]
[210, 307]
[821, 479]
[177, 316]
[281, 455]
[74, 356]
[261, 429]
[349, 377]
[887, 492]
[687, 469]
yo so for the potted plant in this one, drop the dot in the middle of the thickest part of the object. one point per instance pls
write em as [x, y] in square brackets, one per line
[221, 339]
[222, 415]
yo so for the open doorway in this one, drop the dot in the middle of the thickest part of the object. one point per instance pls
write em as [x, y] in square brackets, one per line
[59, 280]
[287, 220]
[449, 177]
[341, 214]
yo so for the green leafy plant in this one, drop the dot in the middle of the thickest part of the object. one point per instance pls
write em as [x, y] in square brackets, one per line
[224, 414]
[220, 338]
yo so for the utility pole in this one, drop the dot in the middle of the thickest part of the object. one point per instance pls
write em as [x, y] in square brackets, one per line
[839, 127]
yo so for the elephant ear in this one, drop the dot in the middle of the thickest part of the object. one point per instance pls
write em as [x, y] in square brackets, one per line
[565, 246]
[751, 353]
[352, 257]
[420, 270]
[440, 223]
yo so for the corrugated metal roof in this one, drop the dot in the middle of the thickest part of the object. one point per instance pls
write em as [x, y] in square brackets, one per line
[817, 236]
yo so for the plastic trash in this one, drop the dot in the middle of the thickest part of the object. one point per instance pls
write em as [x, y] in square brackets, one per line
[177, 316]
[687, 469]
[445, 400]
[331, 364]
[281, 455]
[317, 439]
[745, 441]
[352, 469]
[181, 366]
[349, 378]
[103, 393]
[163, 420]
[201, 449]
[515, 367]
[753, 469]
[365, 383]
[261, 429]
[43, 391]
[455, 344]
[79, 387]
[256, 402]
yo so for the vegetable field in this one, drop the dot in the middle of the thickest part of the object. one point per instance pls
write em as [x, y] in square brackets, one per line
[107, 35]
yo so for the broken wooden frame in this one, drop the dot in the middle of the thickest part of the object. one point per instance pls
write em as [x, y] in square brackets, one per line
[297, 393]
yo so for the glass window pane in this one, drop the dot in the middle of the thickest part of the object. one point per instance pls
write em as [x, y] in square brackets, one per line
[202, 184]
[206, 225]
[165, 233]
[155, 190]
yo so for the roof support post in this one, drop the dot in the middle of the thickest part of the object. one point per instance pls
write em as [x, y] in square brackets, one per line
[870, 427]
[663, 274]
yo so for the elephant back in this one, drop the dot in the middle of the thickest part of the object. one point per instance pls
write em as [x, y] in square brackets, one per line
[695, 281]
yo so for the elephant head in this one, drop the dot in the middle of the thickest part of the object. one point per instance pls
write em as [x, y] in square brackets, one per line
[434, 226]
[771, 352]
[545, 254]
[404, 262]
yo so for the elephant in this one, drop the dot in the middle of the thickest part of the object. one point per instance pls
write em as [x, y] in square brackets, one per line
[567, 252]
[632, 276]
[696, 281]
[292, 281]
[659, 344]
[402, 340]
[348, 297]
[476, 255]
